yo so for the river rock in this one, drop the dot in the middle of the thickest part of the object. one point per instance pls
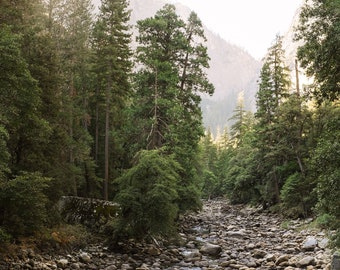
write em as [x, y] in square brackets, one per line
[237, 234]
[62, 263]
[270, 258]
[309, 260]
[192, 255]
[310, 244]
[323, 243]
[336, 261]
[153, 251]
[211, 249]
[281, 259]
[258, 253]
[111, 267]
[85, 257]
[75, 266]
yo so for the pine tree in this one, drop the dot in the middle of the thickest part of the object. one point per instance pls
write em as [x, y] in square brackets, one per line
[294, 128]
[243, 121]
[148, 196]
[319, 30]
[23, 136]
[324, 169]
[209, 166]
[173, 59]
[112, 67]
[20, 103]
[273, 89]
[71, 22]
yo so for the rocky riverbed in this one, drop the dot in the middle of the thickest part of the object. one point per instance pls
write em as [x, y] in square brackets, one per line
[220, 237]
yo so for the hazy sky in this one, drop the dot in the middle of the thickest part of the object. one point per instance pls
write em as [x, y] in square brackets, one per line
[250, 24]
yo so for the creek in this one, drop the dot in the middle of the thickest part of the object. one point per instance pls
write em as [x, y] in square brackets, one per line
[221, 236]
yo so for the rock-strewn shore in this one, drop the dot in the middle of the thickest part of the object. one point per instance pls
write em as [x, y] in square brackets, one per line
[220, 237]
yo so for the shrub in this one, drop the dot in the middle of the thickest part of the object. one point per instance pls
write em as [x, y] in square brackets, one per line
[23, 203]
[5, 237]
[297, 196]
[325, 221]
[147, 195]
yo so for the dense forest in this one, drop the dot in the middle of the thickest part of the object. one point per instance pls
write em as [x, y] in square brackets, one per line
[82, 114]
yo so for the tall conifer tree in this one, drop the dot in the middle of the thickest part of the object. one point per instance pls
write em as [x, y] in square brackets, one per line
[273, 89]
[74, 20]
[172, 73]
[111, 39]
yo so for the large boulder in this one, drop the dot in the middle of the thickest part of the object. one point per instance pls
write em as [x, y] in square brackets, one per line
[87, 211]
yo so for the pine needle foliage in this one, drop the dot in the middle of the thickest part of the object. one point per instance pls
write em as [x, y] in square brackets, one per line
[148, 194]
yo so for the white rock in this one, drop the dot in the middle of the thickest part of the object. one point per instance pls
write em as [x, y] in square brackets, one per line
[310, 243]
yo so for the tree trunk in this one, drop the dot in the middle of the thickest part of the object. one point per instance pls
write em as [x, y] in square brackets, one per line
[276, 188]
[297, 78]
[107, 126]
[71, 156]
[97, 130]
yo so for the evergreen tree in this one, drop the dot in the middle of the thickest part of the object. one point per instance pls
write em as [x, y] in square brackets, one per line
[23, 132]
[294, 126]
[319, 29]
[112, 68]
[73, 19]
[19, 106]
[242, 121]
[323, 166]
[148, 196]
[209, 166]
[239, 178]
[171, 75]
[273, 89]
[23, 204]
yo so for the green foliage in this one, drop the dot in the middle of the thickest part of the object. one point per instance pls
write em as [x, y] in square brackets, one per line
[5, 237]
[111, 67]
[148, 194]
[4, 155]
[297, 198]
[240, 178]
[208, 161]
[19, 92]
[273, 89]
[23, 204]
[210, 184]
[319, 31]
[324, 163]
[166, 110]
[325, 221]
[74, 20]
[19, 106]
